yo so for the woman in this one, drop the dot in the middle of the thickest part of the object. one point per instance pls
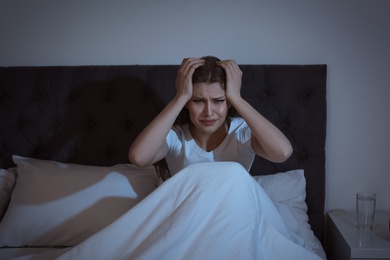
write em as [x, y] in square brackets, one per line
[206, 89]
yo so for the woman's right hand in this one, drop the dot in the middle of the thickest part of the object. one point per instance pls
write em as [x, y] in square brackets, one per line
[184, 77]
[150, 146]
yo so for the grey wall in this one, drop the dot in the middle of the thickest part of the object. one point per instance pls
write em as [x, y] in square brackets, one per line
[351, 37]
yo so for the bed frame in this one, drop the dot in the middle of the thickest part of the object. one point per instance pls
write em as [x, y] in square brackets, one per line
[91, 114]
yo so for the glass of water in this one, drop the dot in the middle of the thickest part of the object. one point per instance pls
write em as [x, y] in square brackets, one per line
[365, 210]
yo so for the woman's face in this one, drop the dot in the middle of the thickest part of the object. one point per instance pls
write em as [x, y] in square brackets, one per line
[208, 107]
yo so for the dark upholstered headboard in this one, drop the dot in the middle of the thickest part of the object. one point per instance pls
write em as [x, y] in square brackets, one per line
[91, 114]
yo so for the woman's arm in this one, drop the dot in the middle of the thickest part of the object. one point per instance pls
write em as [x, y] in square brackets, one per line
[150, 145]
[267, 140]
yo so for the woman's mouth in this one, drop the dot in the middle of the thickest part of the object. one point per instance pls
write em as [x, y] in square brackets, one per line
[208, 122]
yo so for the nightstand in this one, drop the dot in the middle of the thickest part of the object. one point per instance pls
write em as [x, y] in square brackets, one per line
[344, 241]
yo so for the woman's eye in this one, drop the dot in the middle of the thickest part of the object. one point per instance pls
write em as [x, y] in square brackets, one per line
[197, 100]
[219, 100]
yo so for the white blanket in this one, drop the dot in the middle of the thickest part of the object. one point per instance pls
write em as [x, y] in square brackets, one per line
[206, 211]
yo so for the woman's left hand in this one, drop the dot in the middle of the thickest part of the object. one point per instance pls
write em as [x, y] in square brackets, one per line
[233, 78]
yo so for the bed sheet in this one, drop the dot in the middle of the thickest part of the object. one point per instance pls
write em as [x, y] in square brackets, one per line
[26, 252]
[216, 212]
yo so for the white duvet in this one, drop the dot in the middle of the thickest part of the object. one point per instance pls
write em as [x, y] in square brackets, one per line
[206, 211]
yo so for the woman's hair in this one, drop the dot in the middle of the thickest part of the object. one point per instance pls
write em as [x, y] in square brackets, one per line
[210, 72]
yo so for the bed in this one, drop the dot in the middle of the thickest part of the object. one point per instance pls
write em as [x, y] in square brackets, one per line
[65, 177]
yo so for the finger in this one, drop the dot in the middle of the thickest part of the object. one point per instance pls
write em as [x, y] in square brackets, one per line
[230, 66]
[190, 64]
[226, 65]
[189, 61]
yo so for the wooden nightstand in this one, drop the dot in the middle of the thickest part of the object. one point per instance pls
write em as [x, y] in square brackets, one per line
[344, 241]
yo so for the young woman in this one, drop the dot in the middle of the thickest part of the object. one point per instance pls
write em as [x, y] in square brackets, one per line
[196, 125]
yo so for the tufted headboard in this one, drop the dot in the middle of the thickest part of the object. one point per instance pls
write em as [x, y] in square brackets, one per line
[91, 114]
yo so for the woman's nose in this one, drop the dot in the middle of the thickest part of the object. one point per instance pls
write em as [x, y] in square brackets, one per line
[208, 109]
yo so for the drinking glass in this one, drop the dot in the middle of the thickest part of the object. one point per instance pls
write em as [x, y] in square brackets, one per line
[365, 210]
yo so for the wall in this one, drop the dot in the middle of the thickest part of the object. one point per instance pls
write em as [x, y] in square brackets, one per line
[351, 37]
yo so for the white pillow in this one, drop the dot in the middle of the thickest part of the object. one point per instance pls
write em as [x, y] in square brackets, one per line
[288, 192]
[7, 182]
[57, 204]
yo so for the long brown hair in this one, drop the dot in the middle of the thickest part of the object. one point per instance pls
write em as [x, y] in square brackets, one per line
[210, 72]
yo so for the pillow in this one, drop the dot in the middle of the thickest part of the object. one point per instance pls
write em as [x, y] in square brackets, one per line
[7, 182]
[288, 192]
[58, 204]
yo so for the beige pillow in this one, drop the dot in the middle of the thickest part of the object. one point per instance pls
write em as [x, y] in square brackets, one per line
[57, 204]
